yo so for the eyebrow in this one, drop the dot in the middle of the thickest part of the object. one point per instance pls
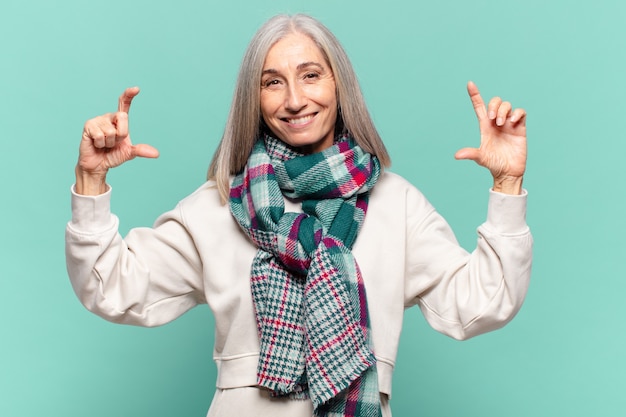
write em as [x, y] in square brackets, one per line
[300, 67]
[310, 64]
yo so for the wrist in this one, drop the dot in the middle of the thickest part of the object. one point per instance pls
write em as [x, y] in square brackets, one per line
[508, 185]
[90, 183]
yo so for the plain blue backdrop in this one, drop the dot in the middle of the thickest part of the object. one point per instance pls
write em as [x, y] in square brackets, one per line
[66, 61]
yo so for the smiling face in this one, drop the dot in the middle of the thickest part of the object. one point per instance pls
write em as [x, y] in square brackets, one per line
[298, 95]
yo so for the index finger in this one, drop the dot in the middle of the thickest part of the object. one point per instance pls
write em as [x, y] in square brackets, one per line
[477, 100]
[123, 104]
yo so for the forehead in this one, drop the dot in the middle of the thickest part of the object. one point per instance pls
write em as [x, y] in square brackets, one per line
[294, 49]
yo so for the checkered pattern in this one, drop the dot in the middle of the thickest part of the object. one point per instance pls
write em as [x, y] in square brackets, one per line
[306, 285]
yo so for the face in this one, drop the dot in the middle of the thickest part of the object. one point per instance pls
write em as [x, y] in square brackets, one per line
[298, 96]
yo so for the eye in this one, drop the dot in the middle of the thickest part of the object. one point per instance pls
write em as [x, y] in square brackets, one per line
[311, 75]
[270, 82]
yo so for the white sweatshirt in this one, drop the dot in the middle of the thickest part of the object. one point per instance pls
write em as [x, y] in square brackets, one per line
[197, 254]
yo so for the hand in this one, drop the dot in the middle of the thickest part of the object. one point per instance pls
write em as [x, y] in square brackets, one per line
[106, 144]
[502, 141]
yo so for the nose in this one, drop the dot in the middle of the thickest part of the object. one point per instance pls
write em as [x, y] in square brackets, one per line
[295, 99]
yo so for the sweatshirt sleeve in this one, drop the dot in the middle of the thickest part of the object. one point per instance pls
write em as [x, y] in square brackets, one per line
[464, 294]
[147, 279]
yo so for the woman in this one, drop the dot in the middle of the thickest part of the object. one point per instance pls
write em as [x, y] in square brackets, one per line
[305, 249]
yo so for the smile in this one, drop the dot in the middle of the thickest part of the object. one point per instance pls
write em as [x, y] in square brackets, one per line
[300, 120]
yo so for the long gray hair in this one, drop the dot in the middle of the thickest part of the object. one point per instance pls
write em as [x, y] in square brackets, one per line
[244, 123]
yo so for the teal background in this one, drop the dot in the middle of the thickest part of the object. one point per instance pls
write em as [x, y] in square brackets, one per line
[64, 62]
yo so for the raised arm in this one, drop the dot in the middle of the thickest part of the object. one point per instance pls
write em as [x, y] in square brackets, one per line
[151, 276]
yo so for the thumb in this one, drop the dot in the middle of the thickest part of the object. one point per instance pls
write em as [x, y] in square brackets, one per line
[467, 153]
[145, 151]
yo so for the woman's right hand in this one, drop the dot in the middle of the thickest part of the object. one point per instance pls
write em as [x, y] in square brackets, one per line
[106, 144]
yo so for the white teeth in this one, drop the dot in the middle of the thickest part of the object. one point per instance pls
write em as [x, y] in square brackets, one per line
[300, 120]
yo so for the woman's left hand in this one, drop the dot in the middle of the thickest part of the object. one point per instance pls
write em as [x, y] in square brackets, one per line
[502, 141]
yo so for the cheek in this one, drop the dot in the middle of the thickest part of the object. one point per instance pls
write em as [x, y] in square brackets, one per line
[331, 104]
[267, 106]
[330, 96]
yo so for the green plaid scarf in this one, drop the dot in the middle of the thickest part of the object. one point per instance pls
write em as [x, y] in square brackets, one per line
[307, 288]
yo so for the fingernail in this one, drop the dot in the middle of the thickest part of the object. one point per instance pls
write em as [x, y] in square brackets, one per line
[492, 115]
[499, 121]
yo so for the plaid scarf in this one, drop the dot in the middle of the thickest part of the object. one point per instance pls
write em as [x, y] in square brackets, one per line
[307, 288]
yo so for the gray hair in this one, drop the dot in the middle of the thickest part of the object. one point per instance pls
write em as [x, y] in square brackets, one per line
[244, 123]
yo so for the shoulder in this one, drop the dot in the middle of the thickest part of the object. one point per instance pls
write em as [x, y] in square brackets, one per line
[391, 186]
[392, 192]
[204, 202]
[391, 180]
